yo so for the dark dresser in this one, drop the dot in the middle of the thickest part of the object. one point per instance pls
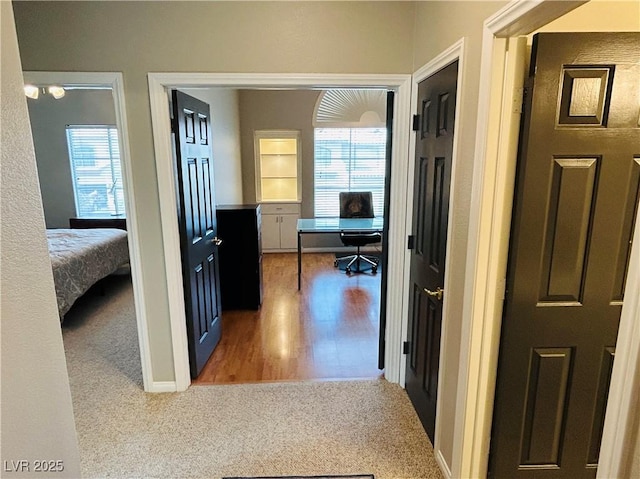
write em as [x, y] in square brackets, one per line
[240, 256]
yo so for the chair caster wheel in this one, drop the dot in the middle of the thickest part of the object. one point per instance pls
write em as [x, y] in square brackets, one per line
[335, 263]
[348, 270]
[374, 270]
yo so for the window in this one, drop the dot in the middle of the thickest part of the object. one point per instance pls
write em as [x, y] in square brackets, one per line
[348, 159]
[95, 166]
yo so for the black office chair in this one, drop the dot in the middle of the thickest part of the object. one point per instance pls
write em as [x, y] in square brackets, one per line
[357, 205]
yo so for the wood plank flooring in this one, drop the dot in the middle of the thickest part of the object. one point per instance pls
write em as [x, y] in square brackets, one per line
[328, 330]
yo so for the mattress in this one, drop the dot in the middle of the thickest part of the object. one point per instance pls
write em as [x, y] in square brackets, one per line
[81, 257]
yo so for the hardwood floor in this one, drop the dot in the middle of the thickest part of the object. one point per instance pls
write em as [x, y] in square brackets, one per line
[328, 330]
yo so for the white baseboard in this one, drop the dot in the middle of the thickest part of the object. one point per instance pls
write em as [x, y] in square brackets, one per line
[444, 467]
[326, 249]
[341, 249]
[163, 387]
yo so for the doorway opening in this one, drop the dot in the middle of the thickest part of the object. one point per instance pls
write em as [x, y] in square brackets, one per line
[328, 330]
[82, 152]
[160, 82]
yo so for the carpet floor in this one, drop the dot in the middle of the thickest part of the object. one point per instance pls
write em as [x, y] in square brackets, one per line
[268, 429]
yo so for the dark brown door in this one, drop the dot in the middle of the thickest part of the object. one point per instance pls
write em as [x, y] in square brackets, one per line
[434, 150]
[575, 204]
[198, 228]
[384, 259]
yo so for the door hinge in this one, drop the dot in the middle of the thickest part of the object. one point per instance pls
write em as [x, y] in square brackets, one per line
[405, 347]
[416, 122]
[518, 100]
[411, 242]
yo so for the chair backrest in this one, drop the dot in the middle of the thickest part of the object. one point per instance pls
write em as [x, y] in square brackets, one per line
[356, 204]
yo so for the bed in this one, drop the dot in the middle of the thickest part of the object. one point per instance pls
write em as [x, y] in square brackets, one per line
[82, 257]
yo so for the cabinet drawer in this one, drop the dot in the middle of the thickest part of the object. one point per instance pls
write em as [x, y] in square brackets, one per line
[280, 208]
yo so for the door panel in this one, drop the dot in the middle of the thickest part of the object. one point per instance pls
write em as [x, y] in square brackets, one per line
[575, 204]
[197, 225]
[434, 151]
[271, 232]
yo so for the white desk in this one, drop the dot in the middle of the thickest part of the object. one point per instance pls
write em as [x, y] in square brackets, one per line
[334, 225]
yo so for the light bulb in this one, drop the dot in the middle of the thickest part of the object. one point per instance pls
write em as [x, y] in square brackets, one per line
[31, 91]
[56, 91]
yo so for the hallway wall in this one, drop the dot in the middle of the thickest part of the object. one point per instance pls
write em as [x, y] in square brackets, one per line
[37, 415]
[245, 37]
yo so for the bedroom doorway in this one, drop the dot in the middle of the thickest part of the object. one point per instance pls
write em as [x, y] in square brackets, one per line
[81, 145]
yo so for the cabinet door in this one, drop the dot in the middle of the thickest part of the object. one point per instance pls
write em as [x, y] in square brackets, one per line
[289, 231]
[271, 232]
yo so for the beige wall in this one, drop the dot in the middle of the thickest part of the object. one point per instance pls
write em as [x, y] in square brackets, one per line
[49, 118]
[438, 26]
[140, 37]
[278, 110]
[37, 415]
[599, 16]
[225, 140]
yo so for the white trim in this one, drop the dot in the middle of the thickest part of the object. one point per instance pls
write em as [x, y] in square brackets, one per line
[334, 249]
[158, 82]
[444, 467]
[447, 57]
[485, 256]
[114, 81]
[624, 390]
[162, 387]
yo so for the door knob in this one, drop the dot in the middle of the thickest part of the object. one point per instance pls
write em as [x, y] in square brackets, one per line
[436, 294]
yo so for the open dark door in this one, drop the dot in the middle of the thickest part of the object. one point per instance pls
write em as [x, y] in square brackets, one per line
[575, 204]
[197, 224]
[434, 152]
[385, 231]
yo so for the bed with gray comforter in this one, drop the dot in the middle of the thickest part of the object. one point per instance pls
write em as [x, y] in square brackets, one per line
[81, 257]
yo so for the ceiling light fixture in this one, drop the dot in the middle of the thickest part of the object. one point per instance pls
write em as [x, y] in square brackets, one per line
[33, 91]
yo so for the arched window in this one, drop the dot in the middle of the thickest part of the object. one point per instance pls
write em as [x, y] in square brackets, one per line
[350, 144]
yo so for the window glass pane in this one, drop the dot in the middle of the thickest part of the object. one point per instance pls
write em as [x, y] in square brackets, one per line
[348, 159]
[97, 173]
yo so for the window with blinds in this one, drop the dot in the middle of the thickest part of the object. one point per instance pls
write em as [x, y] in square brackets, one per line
[348, 159]
[94, 153]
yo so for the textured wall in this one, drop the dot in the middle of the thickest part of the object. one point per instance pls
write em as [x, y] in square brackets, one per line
[49, 118]
[37, 415]
[140, 37]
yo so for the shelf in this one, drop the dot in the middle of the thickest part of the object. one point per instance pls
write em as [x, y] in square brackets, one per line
[278, 159]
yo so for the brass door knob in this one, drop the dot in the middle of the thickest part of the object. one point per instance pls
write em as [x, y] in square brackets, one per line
[436, 294]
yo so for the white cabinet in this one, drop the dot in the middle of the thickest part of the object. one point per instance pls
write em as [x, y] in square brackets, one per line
[277, 154]
[279, 227]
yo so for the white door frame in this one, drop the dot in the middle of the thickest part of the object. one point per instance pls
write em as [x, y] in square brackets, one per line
[114, 81]
[485, 271]
[158, 85]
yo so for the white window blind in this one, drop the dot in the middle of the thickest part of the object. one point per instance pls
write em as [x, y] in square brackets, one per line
[97, 174]
[348, 159]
